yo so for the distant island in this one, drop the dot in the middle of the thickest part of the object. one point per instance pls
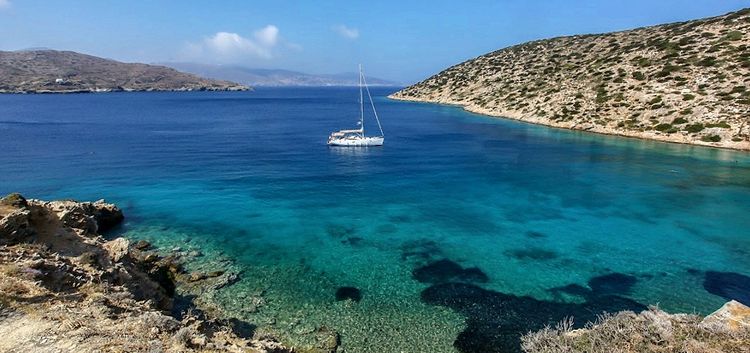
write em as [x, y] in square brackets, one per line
[52, 71]
[273, 77]
[683, 82]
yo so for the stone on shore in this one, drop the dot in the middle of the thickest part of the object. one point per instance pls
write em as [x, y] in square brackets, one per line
[732, 317]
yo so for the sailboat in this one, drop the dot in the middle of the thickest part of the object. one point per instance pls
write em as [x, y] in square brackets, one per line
[357, 137]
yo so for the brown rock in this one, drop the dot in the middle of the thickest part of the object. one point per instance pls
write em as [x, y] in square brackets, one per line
[15, 226]
[142, 245]
[328, 340]
[14, 200]
[106, 215]
[117, 249]
[733, 316]
[197, 276]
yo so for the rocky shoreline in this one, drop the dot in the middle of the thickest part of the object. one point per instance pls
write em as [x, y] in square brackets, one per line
[66, 288]
[681, 82]
[604, 130]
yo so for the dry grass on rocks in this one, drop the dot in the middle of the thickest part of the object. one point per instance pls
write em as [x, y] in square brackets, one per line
[652, 331]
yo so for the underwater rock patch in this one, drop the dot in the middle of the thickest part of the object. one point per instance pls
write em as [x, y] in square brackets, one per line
[387, 229]
[535, 235]
[496, 321]
[353, 241]
[348, 293]
[613, 283]
[533, 253]
[402, 218]
[445, 270]
[610, 284]
[340, 231]
[728, 285]
[423, 249]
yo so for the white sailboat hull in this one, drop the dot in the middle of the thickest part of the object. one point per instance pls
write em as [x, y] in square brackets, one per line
[357, 141]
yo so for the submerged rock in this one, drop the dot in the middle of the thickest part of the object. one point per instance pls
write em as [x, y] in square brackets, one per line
[328, 340]
[142, 245]
[445, 270]
[728, 285]
[348, 293]
[496, 321]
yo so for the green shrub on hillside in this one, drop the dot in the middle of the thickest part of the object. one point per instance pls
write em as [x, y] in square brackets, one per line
[708, 61]
[663, 127]
[721, 124]
[679, 121]
[688, 97]
[655, 100]
[733, 36]
[711, 138]
[694, 128]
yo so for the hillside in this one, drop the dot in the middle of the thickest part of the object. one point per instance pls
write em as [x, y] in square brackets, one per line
[274, 78]
[51, 71]
[682, 82]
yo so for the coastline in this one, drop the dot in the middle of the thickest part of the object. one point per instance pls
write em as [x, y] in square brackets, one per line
[511, 115]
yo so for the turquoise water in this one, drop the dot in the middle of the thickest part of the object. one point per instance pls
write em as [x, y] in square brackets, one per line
[459, 233]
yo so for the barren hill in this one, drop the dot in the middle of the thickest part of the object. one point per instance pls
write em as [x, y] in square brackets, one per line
[51, 71]
[681, 82]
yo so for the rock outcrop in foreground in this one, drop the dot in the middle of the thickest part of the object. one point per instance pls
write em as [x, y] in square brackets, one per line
[52, 71]
[64, 288]
[653, 331]
[683, 82]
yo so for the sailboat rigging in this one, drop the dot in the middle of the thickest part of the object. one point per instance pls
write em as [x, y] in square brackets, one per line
[357, 137]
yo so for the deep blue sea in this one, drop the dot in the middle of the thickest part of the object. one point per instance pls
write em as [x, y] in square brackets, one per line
[459, 234]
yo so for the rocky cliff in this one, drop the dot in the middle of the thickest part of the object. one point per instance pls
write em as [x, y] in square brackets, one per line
[682, 82]
[51, 71]
[64, 288]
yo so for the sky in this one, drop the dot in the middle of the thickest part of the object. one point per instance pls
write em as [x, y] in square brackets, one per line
[405, 41]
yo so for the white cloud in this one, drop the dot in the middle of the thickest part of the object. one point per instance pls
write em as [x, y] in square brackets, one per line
[346, 32]
[4, 4]
[232, 47]
[267, 35]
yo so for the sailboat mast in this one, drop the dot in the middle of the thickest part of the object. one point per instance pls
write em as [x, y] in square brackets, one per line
[361, 104]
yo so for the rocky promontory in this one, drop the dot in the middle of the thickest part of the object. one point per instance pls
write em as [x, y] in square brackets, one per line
[52, 71]
[683, 82]
[65, 288]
